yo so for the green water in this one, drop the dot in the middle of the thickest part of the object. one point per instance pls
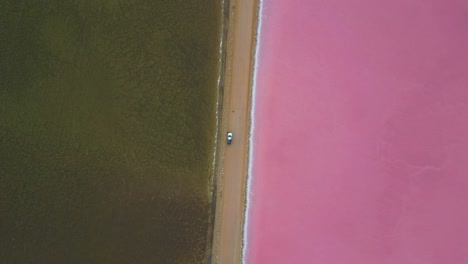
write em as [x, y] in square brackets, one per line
[107, 125]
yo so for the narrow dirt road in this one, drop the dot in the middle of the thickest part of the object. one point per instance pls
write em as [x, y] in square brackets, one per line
[233, 159]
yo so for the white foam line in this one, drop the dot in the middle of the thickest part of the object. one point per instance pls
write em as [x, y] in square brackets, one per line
[252, 129]
[218, 87]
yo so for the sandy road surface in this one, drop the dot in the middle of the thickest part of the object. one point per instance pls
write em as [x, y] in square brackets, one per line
[233, 159]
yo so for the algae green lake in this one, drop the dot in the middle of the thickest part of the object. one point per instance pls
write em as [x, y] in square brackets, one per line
[107, 130]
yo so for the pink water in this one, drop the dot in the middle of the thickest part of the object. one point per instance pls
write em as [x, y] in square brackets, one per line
[360, 136]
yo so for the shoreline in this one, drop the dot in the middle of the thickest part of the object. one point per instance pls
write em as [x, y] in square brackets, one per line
[255, 59]
[219, 146]
[240, 20]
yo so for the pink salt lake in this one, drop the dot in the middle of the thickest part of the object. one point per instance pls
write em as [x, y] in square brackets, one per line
[360, 139]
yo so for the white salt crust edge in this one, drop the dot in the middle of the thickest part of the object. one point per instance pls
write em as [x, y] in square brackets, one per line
[248, 191]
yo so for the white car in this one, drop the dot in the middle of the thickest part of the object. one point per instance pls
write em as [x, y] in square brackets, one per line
[229, 138]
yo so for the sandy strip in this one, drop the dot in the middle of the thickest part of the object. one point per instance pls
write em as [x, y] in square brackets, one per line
[233, 159]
